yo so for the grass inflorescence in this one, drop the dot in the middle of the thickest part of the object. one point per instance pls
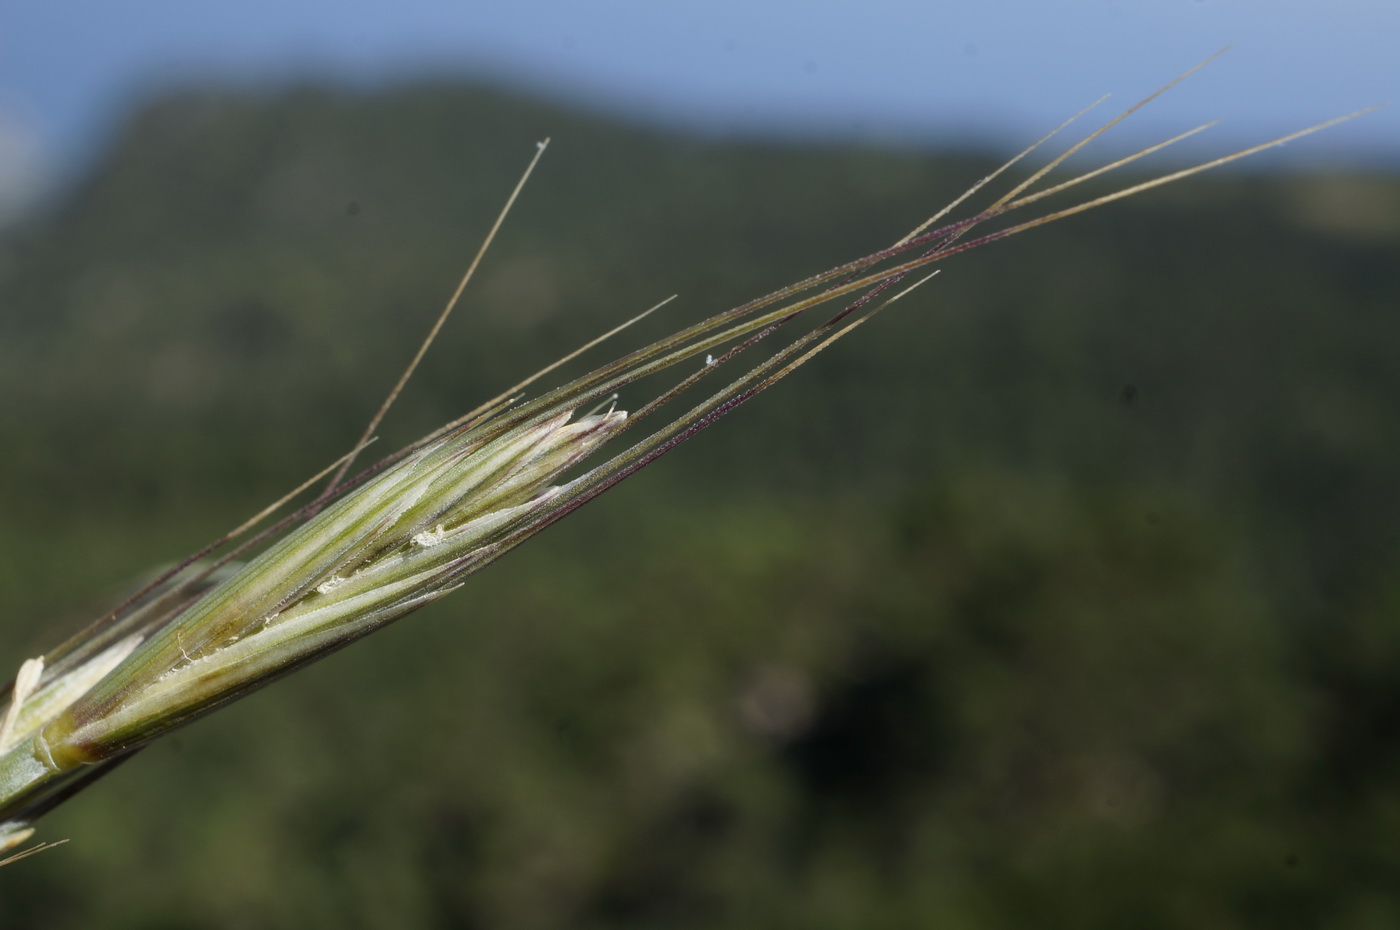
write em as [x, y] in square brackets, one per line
[370, 549]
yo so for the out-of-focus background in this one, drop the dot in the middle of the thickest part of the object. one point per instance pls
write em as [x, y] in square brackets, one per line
[1063, 596]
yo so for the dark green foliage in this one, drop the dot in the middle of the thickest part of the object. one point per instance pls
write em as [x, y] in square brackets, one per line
[1061, 596]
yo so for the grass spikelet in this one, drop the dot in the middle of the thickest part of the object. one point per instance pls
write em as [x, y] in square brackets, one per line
[407, 531]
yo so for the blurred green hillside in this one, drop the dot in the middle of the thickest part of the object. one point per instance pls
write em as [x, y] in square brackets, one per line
[1065, 595]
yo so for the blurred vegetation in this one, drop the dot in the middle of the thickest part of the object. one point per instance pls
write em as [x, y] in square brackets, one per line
[1063, 596]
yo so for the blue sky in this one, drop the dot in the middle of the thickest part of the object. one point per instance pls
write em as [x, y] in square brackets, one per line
[996, 70]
